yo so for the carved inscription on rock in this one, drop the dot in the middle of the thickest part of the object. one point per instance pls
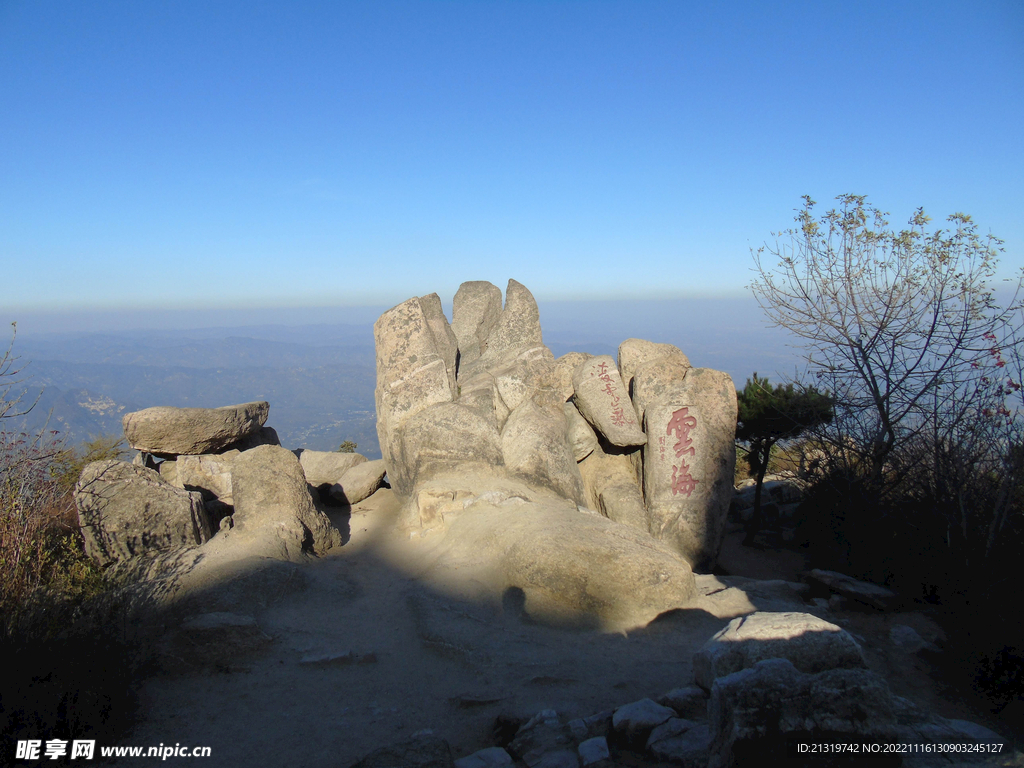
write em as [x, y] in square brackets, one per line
[601, 397]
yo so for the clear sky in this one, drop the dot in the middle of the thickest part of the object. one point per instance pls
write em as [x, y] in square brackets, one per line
[229, 153]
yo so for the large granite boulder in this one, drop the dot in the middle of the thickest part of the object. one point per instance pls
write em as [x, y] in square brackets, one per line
[475, 311]
[324, 468]
[439, 439]
[654, 380]
[519, 322]
[689, 463]
[126, 510]
[752, 712]
[612, 489]
[274, 514]
[635, 352]
[412, 375]
[210, 474]
[535, 446]
[445, 342]
[359, 482]
[811, 644]
[571, 568]
[582, 437]
[565, 367]
[167, 431]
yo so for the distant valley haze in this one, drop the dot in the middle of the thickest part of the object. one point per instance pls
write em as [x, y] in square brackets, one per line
[208, 203]
[316, 366]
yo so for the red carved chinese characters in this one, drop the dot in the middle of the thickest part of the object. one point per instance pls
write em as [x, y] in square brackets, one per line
[618, 415]
[682, 481]
[681, 424]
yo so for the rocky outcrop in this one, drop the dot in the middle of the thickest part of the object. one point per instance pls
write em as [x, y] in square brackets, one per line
[273, 505]
[325, 468]
[475, 312]
[412, 375]
[126, 510]
[359, 482]
[505, 411]
[534, 445]
[574, 426]
[689, 462]
[635, 352]
[198, 513]
[810, 643]
[209, 474]
[167, 431]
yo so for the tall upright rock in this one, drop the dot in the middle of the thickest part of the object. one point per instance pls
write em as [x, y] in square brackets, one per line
[412, 375]
[689, 462]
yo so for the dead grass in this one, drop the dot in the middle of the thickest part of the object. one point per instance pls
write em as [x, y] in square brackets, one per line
[68, 669]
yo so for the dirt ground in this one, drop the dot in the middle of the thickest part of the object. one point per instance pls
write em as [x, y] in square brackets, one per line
[358, 650]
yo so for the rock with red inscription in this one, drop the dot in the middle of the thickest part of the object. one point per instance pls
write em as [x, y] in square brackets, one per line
[601, 398]
[689, 462]
[479, 453]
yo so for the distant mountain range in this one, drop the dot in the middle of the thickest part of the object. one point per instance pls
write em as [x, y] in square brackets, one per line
[319, 378]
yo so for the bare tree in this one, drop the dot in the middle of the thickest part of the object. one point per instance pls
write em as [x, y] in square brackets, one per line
[901, 327]
[10, 377]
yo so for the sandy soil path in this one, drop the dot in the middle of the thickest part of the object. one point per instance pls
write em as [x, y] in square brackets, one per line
[411, 658]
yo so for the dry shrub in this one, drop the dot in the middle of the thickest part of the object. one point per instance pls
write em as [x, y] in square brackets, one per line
[69, 665]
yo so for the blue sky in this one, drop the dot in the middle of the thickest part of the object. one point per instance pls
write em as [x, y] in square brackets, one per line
[246, 154]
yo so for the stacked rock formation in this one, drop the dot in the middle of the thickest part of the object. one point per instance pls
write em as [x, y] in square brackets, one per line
[593, 487]
[219, 478]
[647, 440]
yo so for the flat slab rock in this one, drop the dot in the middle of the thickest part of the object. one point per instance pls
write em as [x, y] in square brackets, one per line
[680, 741]
[862, 591]
[168, 431]
[811, 644]
[640, 717]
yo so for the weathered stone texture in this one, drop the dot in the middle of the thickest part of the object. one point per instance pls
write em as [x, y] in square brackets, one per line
[273, 504]
[689, 463]
[635, 352]
[602, 399]
[167, 431]
[811, 644]
[125, 510]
